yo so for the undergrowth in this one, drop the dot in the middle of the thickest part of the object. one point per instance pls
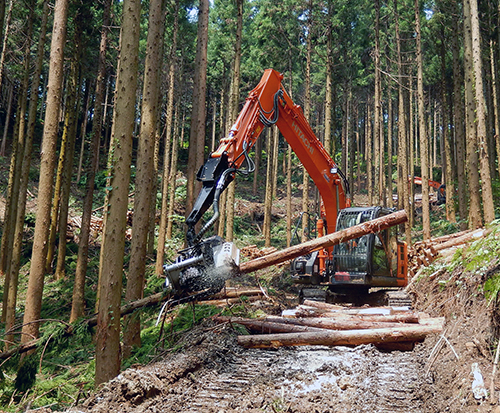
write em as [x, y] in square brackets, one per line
[60, 373]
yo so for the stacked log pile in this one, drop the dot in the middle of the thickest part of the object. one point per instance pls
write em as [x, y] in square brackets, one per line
[423, 253]
[316, 323]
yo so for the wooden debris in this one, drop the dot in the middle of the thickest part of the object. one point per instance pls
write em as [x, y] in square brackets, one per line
[423, 253]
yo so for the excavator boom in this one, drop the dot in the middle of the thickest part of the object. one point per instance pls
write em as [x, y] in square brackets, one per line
[203, 266]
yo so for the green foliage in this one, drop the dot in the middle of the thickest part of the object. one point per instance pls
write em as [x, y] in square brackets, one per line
[26, 375]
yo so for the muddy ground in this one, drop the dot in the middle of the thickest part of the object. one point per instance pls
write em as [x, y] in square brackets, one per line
[211, 373]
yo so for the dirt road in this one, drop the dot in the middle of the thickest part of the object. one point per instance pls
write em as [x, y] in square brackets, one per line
[215, 375]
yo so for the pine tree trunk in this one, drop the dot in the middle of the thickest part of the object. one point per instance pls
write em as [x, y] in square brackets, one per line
[377, 138]
[111, 262]
[389, 147]
[496, 104]
[450, 199]
[145, 172]
[47, 164]
[70, 126]
[369, 153]
[197, 131]
[475, 215]
[424, 139]
[83, 130]
[307, 113]
[168, 173]
[5, 37]
[484, 163]
[173, 174]
[15, 194]
[78, 299]
[233, 114]
[8, 116]
[268, 200]
[458, 126]
[403, 198]
[288, 196]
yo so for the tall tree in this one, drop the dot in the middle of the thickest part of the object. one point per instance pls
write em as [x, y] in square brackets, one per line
[47, 163]
[167, 182]
[403, 198]
[475, 215]
[198, 115]
[486, 189]
[233, 112]
[145, 168]
[458, 123]
[113, 242]
[307, 113]
[78, 301]
[424, 140]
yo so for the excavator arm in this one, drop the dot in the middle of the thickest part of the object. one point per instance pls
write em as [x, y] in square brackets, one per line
[202, 268]
[266, 105]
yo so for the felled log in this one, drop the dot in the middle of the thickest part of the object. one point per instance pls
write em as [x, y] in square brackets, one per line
[351, 323]
[462, 240]
[329, 240]
[265, 326]
[323, 306]
[225, 301]
[230, 292]
[408, 333]
[373, 314]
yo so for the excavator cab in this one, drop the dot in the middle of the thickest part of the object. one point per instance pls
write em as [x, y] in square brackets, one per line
[373, 260]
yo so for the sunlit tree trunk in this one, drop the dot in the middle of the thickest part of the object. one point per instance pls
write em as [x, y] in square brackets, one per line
[484, 163]
[47, 163]
[113, 243]
[475, 215]
[144, 172]
[197, 131]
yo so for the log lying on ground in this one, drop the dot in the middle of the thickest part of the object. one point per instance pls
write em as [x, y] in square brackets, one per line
[232, 292]
[462, 239]
[409, 333]
[302, 312]
[280, 324]
[329, 240]
[265, 326]
[225, 301]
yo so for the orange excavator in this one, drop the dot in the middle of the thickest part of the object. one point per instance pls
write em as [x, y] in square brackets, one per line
[374, 260]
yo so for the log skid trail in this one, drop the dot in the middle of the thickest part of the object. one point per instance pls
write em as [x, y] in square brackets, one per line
[217, 375]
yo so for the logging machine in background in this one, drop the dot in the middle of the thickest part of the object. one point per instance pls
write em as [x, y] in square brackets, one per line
[349, 269]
